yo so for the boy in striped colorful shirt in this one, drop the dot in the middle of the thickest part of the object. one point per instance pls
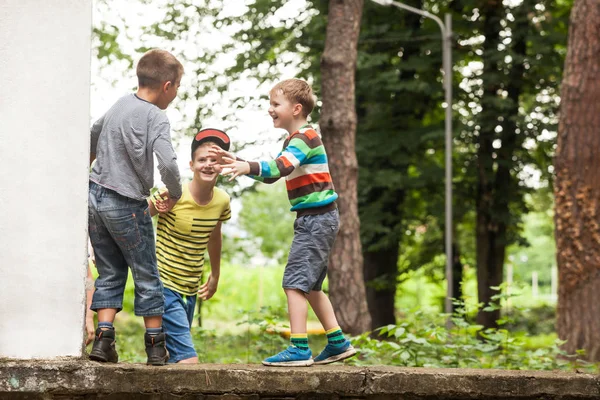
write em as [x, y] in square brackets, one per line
[303, 163]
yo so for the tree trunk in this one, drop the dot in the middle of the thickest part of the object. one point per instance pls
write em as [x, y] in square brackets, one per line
[577, 190]
[489, 228]
[381, 248]
[457, 273]
[381, 272]
[497, 187]
[338, 124]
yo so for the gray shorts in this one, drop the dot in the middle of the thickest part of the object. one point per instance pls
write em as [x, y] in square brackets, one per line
[307, 262]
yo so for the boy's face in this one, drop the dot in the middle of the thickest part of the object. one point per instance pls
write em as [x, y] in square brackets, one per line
[283, 111]
[168, 93]
[203, 165]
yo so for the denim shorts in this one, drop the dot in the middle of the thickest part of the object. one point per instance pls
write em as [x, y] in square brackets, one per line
[177, 321]
[121, 233]
[314, 235]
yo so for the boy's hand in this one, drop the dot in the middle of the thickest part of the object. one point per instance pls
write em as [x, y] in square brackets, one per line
[219, 154]
[235, 168]
[164, 203]
[208, 288]
[89, 327]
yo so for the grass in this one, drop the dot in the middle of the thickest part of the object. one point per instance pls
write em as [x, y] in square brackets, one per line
[246, 321]
[251, 341]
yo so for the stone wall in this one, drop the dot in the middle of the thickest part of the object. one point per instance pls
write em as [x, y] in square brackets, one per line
[88, 380]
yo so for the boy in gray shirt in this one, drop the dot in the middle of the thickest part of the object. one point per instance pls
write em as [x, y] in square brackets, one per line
[123, 142]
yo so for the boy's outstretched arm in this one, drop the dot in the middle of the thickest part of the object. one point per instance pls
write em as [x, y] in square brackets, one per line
[229, 164]
[291, 157]
[209, 288]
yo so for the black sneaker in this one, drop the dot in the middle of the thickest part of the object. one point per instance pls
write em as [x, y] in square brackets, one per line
[104, 346]
[156, 349]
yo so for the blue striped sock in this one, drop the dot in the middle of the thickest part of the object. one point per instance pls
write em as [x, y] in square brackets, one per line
[335, 337]
[300, 340]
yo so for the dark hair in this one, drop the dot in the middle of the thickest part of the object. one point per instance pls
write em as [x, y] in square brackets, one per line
[156, 67]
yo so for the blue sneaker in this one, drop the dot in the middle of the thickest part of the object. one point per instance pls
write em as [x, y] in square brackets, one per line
[290, 357]
[335, 353]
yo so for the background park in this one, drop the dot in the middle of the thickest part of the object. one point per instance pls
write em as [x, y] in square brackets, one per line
[525, 235]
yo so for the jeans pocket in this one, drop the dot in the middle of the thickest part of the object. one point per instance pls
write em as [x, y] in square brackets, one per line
[123, 226]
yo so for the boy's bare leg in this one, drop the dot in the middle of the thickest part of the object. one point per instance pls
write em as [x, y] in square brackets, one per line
[297, 310]
[338, 347]
[323, 309]
[107, 315]
[298, 354]
[153, 322]
[191, 360]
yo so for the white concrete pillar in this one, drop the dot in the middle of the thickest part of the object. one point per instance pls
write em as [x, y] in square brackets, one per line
[44, 159]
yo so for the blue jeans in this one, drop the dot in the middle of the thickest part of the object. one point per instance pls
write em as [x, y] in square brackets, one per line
[121, 233]
[177, 321]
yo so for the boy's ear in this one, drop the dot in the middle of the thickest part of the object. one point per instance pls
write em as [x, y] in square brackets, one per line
[167, 86]
[297, 109]
[191, 163]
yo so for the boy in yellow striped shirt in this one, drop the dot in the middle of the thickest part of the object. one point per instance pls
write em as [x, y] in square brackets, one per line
[183, 235]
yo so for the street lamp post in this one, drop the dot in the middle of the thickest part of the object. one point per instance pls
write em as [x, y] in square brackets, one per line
[447, 67]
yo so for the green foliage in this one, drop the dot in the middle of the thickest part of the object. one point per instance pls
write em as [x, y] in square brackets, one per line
[266, 217]
[424, 340]
[537, 320]
[240, 329]
[400, 144]
[537, 252]
[107, 47]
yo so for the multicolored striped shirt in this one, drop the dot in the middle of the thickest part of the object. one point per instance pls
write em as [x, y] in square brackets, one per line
[303, 163]
[182, 236]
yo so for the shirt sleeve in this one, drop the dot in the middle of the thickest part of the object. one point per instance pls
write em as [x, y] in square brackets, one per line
[95, 134]
[291, 157]
[167, 159]
[226, 214]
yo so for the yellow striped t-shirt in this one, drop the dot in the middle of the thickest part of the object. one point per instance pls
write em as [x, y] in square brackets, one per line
[182, 236]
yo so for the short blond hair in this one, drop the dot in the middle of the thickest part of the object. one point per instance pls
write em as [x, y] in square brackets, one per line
[297, 91]
[158, 66]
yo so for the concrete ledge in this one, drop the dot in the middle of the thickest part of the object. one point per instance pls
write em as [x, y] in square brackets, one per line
[88, 380]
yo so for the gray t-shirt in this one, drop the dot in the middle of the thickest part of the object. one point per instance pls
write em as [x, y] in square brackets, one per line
[124, 140]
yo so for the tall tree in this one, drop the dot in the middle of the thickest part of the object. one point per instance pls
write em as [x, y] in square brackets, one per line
[495, 181]
[399, 141]
[400, 59]
[338, 125]
[577, 193]
[518, 64]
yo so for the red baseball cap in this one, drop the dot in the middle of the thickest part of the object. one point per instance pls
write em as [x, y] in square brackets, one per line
[211, 135]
